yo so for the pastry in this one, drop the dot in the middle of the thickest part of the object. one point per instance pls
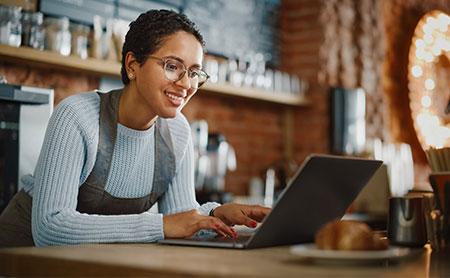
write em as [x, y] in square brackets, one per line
[349, 235]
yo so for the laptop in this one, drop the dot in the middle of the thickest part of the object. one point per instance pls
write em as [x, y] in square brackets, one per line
[322, 190]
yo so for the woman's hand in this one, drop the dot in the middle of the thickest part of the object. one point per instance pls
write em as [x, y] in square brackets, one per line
[186, 224]
[239, 214]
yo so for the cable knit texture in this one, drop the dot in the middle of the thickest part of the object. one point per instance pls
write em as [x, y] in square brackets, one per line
[68, 156]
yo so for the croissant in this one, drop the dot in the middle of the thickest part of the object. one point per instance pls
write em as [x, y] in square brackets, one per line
[349, 235]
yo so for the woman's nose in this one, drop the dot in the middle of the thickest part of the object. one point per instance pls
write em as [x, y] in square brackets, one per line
[184, 82]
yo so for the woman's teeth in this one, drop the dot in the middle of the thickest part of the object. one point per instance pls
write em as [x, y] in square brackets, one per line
[173, 96]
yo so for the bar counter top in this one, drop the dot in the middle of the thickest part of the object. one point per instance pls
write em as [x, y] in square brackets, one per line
[118, 260]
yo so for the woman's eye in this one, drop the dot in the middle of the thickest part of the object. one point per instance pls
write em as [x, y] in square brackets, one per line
[194, 74]
[172, 67]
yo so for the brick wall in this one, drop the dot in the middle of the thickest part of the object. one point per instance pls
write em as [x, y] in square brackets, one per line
[302, 35]
[334, 43]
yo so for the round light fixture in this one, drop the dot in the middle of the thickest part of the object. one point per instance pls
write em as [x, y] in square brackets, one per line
[429, 80]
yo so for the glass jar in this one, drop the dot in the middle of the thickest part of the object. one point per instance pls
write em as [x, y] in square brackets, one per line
[80, 35]
[33, 32]
[10, 26]
[57, 35]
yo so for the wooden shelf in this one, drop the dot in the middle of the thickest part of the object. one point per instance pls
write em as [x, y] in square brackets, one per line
[48, 59]
[246, 92]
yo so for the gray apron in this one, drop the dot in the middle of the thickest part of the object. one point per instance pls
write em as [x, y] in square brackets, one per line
[15, 221]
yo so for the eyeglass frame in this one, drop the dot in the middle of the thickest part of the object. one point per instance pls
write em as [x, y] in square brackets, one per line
[186, 69]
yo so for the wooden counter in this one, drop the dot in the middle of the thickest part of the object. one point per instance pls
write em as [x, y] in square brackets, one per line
[160, 260]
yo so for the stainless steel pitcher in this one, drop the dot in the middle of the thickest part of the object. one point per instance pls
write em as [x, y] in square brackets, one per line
[406, 224]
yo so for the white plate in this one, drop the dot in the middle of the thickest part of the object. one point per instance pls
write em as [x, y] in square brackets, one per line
[311, 251]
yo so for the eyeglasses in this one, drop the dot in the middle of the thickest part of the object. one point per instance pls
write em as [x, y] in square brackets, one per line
[175, 70]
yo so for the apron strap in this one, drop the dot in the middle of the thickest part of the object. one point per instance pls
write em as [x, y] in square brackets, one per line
[109, 114]
[164, 171]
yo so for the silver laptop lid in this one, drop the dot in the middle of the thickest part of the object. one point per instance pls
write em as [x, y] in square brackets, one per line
[322, 190]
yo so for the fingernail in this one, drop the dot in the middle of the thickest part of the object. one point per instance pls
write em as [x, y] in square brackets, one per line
[236, 235]
[232, 230]
[217, 226]
[254, 224]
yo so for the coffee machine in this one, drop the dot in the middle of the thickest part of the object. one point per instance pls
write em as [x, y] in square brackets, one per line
[221, 158]
[24, 115]
[214, 156]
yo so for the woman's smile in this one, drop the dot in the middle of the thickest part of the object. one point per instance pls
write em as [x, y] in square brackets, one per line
[175, 98]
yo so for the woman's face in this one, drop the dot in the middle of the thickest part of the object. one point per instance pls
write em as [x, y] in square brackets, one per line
[162, 96]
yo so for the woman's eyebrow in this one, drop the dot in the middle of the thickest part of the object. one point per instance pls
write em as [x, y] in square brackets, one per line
[182, 61]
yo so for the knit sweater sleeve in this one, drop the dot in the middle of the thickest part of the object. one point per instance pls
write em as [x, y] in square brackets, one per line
[58, 175]
[180, 194]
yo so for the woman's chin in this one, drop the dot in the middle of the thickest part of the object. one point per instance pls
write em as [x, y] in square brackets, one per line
[168, 114]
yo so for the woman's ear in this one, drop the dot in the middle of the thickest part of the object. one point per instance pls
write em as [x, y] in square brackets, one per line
[131, 64]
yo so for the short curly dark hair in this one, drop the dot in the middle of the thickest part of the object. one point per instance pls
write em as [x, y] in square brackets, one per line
[147, 33]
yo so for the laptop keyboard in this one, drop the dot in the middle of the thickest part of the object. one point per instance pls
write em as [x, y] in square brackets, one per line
[240, 239]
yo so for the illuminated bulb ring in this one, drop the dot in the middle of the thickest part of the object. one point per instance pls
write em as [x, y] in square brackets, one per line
[431, 39]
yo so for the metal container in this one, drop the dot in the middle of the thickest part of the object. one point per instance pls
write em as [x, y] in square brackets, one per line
[406, 224]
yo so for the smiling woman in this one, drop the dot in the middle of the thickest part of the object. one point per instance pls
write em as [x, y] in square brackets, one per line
[150, 77]
[107, 158]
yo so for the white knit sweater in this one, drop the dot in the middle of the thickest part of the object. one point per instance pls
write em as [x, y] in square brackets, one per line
[68, 156]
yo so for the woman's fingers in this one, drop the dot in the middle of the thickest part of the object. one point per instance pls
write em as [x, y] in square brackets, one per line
[248, 215]
[188, 223]
[258, 213]
[251, 215]
[247, 221]
[219, 227]
[227, 222]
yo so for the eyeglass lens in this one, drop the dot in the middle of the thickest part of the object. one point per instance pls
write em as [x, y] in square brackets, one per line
[175, 70]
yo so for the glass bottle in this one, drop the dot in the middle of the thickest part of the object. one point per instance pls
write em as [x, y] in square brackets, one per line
[10, 26]
[33, 33]
[80, 35]
[58, 37]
